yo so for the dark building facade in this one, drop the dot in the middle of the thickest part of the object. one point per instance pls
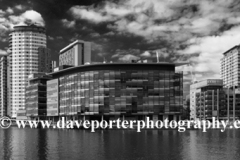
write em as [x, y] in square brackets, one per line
[36, 97]
[44, 60]
[3, 86]
[129, 90]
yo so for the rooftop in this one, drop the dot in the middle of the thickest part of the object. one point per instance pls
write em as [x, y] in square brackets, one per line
[31, 27]
[70, 45]
[230, 49]
[104, 66]
[207, 82]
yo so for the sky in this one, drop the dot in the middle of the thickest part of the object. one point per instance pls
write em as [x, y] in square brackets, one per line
[193, 31]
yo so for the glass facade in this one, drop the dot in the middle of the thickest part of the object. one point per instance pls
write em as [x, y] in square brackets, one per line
[116, 92]
[52, 97]
[36, 98]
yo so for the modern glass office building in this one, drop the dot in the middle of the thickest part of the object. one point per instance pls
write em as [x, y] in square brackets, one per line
[115, 90]
[36, 96]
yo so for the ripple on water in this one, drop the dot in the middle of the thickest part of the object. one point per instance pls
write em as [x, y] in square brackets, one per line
[52, 144]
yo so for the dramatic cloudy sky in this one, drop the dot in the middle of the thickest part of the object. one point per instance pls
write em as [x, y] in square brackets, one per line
[180, 30]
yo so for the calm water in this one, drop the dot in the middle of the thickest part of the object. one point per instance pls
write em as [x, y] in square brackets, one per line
[52, 144]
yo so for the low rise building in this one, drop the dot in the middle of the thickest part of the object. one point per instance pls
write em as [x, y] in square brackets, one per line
[207, 99]
[36, 96]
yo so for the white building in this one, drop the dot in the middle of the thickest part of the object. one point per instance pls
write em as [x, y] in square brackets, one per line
[24, 42]
[230, 67]
[75, 54]
[193, 91]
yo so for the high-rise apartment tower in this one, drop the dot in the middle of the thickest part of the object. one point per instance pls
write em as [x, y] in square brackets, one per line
[24, 43]
[230, 67]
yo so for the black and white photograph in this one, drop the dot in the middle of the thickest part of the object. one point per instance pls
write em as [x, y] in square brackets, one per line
[119, 79]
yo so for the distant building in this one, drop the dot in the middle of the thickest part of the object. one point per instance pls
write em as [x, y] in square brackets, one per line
[3, 86]
[44, 60]
[230, 72]
[230, 67]
[75, 54]
[207, 99]
[54, 65]
[9, 84]
[186, 107]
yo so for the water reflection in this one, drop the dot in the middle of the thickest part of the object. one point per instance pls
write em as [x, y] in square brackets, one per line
[52, 144]
[5, 144]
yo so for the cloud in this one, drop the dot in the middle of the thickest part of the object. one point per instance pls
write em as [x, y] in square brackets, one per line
[97, 47]
[19, 7]
[146, 54]
[9, 10]
[198, 75]
[59, 37]
[50, 38]
[210, 49]
[68, 24]
[3, 53]
[3, 29]
[95, 34]
[111, 33]
[195, 31]
[153, 18]
[1, 12]
[163, 52]
[185, 68]
[82, 12]
[116, 10]
[8, 21]
[128, 57]
[29, 15]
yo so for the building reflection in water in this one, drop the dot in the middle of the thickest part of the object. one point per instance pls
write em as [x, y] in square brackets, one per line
[42, 144]
[213, 145]
[6, 144]
[56, 144]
